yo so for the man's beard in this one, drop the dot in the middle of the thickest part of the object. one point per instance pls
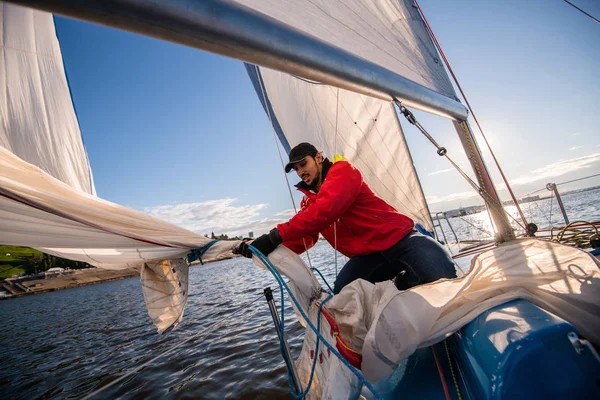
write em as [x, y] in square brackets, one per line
[317, 180]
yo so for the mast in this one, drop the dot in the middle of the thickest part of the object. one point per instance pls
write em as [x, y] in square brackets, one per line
[504, 231]
[233, 30]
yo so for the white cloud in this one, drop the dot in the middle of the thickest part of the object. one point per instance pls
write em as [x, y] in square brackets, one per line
[218, 216]
[451, 197]
[575, 148]
[286, 213]
[558, 168]
[441, 171]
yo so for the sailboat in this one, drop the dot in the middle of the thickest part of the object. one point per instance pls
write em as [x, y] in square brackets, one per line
[337, 88]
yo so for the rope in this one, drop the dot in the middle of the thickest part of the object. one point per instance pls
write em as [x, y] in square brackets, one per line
[196, 254]
[574, 235]
[441, 373]
[439, 47]
[323, 278]
[282, 285]
[176, 346]
[452, 370]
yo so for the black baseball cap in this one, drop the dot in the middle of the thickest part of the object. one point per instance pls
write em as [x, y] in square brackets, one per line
[299, 153]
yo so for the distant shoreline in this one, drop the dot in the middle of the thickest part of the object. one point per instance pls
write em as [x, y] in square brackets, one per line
[25, 286]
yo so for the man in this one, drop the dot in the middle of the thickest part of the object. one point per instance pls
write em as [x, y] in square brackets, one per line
[381, 243]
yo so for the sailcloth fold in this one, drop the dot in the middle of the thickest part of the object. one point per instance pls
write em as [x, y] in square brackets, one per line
[387, 325]
[560, 279]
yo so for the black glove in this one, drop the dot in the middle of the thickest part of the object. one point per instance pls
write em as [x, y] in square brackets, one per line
[265, 244]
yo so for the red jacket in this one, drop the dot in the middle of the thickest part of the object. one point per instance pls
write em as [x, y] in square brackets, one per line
[365, 222]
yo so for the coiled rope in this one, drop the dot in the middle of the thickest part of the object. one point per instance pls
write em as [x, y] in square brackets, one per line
[577, 233]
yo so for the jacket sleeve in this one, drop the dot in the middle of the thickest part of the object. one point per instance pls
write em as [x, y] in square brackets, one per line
[299, 246]
[341, 187]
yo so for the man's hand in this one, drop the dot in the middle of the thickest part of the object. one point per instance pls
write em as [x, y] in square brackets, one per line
[265, 244]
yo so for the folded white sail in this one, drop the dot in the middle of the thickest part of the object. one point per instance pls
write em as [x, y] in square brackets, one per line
[387, 325]
[37, 210]
[560, 279]
[47, 196]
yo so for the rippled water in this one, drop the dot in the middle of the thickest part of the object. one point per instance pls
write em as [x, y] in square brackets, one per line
[75, 342]
[544, 213]
[70, 343]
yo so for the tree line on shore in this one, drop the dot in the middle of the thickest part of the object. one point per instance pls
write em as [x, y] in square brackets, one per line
[26, 261]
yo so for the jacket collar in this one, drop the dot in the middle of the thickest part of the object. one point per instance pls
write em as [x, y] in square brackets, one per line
[308, 188]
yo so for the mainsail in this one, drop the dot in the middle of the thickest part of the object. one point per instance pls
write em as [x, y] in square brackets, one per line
[363, 129]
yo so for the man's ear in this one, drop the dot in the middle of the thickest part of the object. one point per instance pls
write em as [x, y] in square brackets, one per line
[319, 158]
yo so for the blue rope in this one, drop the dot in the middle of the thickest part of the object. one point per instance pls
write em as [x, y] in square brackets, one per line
[282, 285]
[196, 254]
[323, 278]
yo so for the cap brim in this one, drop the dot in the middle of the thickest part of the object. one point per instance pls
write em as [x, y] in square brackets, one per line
[290, 165]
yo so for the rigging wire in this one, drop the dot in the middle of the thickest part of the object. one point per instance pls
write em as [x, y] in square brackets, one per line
[589, 15]
[176, 346]
[439, 47]
[564, 183]
[492, 202]
[482, 230]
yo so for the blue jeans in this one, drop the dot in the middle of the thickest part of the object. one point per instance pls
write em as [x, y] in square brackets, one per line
[414, 260]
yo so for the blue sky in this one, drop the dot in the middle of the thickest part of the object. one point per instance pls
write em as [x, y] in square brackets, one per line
[180, 134]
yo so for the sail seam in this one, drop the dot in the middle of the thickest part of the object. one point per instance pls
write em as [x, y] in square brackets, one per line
[29, 52]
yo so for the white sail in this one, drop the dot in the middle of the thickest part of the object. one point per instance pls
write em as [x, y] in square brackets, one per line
[39, 124]
[47, 196]
[363, 129]
[389, 33]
